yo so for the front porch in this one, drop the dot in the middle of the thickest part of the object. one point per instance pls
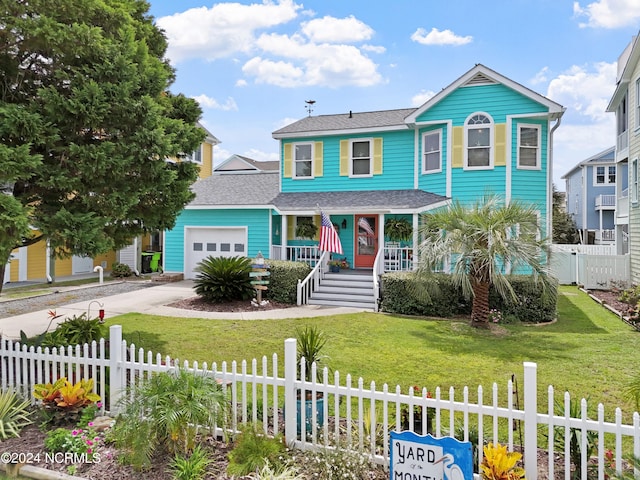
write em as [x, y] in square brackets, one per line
[394, 258]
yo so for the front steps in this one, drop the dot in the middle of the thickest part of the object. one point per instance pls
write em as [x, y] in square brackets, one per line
[345, 289]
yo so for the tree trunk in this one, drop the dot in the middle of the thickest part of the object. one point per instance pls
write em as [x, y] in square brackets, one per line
[480, 305]
[3, 267]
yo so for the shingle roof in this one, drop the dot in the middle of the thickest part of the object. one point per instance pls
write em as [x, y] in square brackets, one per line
[262, 189]
[348, 121]
[236, 189]
[360, 200]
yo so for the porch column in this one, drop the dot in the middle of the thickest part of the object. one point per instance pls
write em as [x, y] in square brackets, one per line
[416, 255]
[283, 236]
[601, 233]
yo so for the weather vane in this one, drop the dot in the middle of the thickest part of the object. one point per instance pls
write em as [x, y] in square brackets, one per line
[309, 106]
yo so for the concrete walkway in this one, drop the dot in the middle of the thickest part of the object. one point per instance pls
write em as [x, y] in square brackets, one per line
[153, 301]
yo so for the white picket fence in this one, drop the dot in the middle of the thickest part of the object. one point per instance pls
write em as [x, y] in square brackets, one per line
[358, 414]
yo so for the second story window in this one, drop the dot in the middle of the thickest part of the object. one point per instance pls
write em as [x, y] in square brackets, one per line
[605, 175]
[529, 146]
[303, 160]
[195, 156]
[432, 148]
[361, 158]
[478, 135]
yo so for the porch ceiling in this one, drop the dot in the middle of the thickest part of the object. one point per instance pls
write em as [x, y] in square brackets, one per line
[369, 200]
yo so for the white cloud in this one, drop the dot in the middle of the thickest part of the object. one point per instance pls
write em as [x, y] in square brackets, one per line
[586, 127]
[585, 93]
[309, 64]
[437, 37]
[241, 83]
[337, 30]
[261, 156]
[609, 13]
[541, 76]
[208, 102]
[222, 30]
[421, 98]
[374, 48]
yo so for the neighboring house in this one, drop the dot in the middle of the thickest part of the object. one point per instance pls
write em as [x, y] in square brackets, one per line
[36, 262]
[484, 132]
[591, 196]
[240, 164]
[625, 103]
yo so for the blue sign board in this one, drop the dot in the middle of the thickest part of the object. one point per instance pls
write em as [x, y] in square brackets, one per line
[423, 457]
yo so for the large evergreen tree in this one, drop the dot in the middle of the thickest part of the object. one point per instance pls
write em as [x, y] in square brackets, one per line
[86, 125]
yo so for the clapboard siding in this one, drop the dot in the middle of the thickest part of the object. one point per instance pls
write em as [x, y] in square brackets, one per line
[256, 221]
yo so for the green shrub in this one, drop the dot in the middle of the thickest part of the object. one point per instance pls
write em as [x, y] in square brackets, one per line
[120, 270]
[192, 467]
[76, 330]
[253, 450]
[14, 414]
[166, 411]
[221, 279]
[406, 293]
[342, 463]
[283, 280]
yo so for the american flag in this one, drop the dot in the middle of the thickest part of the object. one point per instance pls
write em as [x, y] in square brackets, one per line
[329, 239]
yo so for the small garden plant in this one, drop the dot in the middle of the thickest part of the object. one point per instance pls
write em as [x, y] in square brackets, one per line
[14, 414]
[165, 413]
[500, 464]
[63, 401]
[220, 279]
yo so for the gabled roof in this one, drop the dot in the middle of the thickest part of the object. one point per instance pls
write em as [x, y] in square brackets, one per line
[239, 163]
[404, 118]
[627, 61]
[235, 190]
[371, 201]
[481, 75]
[603, 157]
[346, 122]
[210, 137]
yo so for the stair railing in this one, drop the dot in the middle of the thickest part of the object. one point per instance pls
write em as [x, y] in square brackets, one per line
[307, 286]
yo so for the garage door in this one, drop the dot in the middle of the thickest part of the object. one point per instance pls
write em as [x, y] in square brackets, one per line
[201, 243]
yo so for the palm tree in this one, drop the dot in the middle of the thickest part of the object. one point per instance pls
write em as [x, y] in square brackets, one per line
[483, 241]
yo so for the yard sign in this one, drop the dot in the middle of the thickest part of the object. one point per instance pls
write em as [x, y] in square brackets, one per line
[418, 457]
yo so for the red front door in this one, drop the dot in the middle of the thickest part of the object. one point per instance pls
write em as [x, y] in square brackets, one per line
[366, 241]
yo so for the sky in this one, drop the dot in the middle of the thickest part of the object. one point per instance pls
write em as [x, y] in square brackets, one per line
[253, 65]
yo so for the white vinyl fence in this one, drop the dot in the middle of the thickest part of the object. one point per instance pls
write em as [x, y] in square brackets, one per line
[596, 268]
[343, 410]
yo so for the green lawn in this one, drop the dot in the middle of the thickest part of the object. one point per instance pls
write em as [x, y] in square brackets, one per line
[588, 351]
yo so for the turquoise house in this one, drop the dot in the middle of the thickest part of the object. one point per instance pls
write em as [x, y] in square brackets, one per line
[482, 132]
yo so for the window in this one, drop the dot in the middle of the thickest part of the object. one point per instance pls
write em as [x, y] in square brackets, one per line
[478, 135]
[529, 146]
[195, 156]
[211, 247]
[303, 160]
[197, 247]
[361, 158]
[432, 148]
[634, 181]
[604, 175]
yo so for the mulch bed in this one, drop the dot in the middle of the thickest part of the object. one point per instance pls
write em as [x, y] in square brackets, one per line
[199, 304]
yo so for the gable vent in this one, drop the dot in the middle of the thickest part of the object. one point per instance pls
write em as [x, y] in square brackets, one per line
[480, 79]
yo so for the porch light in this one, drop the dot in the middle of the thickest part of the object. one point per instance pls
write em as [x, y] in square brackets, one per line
[344, 223]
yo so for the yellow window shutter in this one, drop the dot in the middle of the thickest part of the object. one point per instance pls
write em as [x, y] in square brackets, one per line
[317, 160]
[291, 228]
[377, 156]
[344, 158]
[500, 142]
[457, 153]
[288, 160]
[317, 220]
